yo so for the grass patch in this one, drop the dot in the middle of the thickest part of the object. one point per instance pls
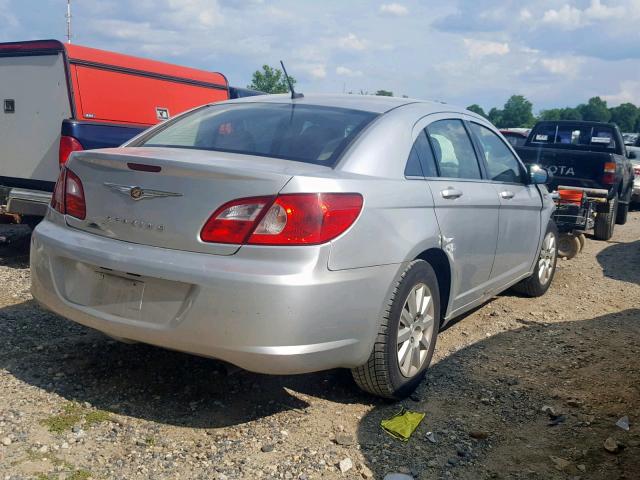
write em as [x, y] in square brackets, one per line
[73, 414]
[72, 475]
[79, 475]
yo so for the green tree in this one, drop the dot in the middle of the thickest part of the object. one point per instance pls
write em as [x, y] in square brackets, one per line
[495, 116]
[569, 113]
[595, 110]
[625, 116]
[475, 108]
[551, 114]
[384, 93]
[517, 112]
[270, 80]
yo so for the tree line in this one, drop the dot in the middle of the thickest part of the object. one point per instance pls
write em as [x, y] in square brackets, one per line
[518, 112]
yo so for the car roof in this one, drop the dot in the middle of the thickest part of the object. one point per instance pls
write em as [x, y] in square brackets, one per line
[368, 103]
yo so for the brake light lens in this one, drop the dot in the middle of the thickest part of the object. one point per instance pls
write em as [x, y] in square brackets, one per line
[57, 199]
[67, 146]
[609, 176]
[74, 196]
[234, 221]
[68, 195]
[289, 219]
[636, 170]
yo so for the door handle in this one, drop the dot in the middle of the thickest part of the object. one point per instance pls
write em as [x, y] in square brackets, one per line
[507, 195]
[451, 193]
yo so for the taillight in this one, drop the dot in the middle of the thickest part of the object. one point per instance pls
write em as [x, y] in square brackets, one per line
[234, 221]
[636, 171]
[289, 219]
[74, 196]
[67, 145]
[609, 176]
[57, 199]
[68, 195]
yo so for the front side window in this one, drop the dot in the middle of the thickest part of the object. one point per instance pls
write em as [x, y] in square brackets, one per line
[453, 150]
[305, 133]
[502, 165]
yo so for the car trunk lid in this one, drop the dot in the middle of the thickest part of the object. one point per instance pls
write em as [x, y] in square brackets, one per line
[163, 196]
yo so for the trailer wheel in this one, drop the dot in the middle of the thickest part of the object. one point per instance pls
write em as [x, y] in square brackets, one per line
[582, 239]
[568, 246]
[605, 220]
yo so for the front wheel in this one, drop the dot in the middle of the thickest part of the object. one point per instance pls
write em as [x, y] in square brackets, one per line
[406, 337]
[539, 282]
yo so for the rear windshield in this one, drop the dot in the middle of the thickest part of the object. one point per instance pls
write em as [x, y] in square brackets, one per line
[578, 135]
[305, 133]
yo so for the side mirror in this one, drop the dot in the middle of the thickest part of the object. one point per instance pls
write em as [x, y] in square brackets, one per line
[632, 155]
[538, 175]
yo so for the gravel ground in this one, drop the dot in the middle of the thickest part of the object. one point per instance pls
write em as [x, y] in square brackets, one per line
[519, 389]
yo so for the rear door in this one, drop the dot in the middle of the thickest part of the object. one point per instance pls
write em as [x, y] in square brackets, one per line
[466, 209]
[520, 206]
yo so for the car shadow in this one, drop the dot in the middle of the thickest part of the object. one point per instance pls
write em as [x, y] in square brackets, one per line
[621, 261]
[83, 365]
[495, 389]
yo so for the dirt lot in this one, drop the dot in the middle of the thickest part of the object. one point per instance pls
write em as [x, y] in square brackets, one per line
[75, 404]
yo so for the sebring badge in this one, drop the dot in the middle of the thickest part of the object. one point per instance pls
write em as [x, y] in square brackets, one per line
[138, 193]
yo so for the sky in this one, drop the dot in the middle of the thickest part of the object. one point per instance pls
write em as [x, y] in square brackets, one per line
[555, 53]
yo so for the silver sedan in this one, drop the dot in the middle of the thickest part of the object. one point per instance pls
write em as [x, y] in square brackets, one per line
[295, 235]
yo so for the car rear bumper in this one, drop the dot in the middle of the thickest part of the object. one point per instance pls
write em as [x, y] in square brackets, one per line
[282, 313]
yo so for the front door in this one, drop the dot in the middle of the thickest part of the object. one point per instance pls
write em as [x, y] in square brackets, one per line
[520, 207]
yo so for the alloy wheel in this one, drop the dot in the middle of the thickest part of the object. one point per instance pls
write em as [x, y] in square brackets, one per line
[548, 253]
[415, 330]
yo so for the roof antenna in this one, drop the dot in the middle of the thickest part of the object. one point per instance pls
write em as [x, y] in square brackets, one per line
[294, 95]
[68, 17]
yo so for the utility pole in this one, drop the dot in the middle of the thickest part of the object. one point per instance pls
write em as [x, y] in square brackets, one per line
[68, 17]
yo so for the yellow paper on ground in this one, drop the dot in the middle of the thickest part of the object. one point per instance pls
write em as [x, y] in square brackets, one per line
[402, 424]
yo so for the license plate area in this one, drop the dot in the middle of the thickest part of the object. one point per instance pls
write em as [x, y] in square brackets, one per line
[118, 295]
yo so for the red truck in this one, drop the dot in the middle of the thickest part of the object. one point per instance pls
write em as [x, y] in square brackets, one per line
[58, 98]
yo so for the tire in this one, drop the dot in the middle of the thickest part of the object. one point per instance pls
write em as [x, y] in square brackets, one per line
[605, 220]
[540, 280]
[568, 246]
[583, 240]
[622, 213]
[384, 374]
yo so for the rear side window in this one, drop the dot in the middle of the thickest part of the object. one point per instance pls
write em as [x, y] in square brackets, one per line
[421, 162]
[578, 135]
[453, 150]
[502, 165]
[305, 133]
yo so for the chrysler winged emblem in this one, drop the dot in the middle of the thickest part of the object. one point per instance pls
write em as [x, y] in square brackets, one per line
[139, 193]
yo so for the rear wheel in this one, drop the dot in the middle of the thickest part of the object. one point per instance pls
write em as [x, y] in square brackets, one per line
[622, 213]
[605, 220]
[406, 338]
[539, 282]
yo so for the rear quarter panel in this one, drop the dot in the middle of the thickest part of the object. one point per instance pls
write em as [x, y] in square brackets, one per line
[396, 224]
